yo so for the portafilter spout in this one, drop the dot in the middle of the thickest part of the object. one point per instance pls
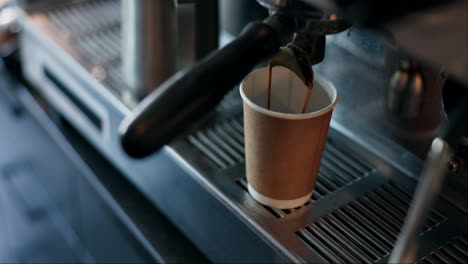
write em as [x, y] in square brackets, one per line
[307, 47]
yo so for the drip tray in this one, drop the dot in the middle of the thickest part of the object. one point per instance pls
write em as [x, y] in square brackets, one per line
[356, 211]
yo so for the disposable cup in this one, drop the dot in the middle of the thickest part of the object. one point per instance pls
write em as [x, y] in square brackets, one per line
[283, 147]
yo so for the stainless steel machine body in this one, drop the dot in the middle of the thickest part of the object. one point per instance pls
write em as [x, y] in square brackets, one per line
[149, 44]
[71, 54]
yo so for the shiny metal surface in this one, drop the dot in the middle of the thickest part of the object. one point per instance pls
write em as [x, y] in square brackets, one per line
[373, 208]
[367, 177]
[430, 184]
[455, 251]
[406, 91]
[149, 43]
[437, 36]
[91, 31]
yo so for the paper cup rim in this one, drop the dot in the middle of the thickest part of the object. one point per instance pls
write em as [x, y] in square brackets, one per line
[278, 204]
[317, 77]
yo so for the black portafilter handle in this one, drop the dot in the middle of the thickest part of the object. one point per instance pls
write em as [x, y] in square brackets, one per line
[187, 96]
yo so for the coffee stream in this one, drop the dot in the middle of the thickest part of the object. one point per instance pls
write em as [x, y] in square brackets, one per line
[269, 85]
[310, 86]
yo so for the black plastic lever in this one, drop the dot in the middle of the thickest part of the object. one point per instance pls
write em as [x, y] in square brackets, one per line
[190, 94]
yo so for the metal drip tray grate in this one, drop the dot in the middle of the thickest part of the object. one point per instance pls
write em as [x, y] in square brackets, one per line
[364, 230]
[223, 144]
[455, 251]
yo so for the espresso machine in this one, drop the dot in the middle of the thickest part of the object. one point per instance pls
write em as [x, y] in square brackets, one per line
[151, 85]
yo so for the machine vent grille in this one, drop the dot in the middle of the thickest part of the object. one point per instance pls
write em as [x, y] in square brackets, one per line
[101, 48]
[93, 29]
[363, 230]
[85, 17]
[455, 251]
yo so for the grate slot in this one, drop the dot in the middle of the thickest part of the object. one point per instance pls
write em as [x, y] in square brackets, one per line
[287, 211]
[436, 216]
[332, 173]
[315, 197]
[333, 233]
[330, 243]
[454, 258]
[401, 197]
[383, 214]
[451, 252]
[460, 249]
[354, 239]
[337, 170]
[234, 133]
[461, 245]
[327, 182]
[327, 154]
[215, 148]
[324, 252]
[200, 146]
[326, 185]
[324, 173]
[239, 147]
[236, 123]
[224, 145]
[355, 163]
[274, 211]
[407, 195]
[427, 261]
[339, 165]
[454, 250]
[404, 197]
[398, 205]
[242, 183]
[439, 258]
[399, 210]
[320, 189]
[372, 222]
[356, 227]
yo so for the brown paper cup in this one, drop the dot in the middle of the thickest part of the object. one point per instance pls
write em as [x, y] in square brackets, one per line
[283, 148]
